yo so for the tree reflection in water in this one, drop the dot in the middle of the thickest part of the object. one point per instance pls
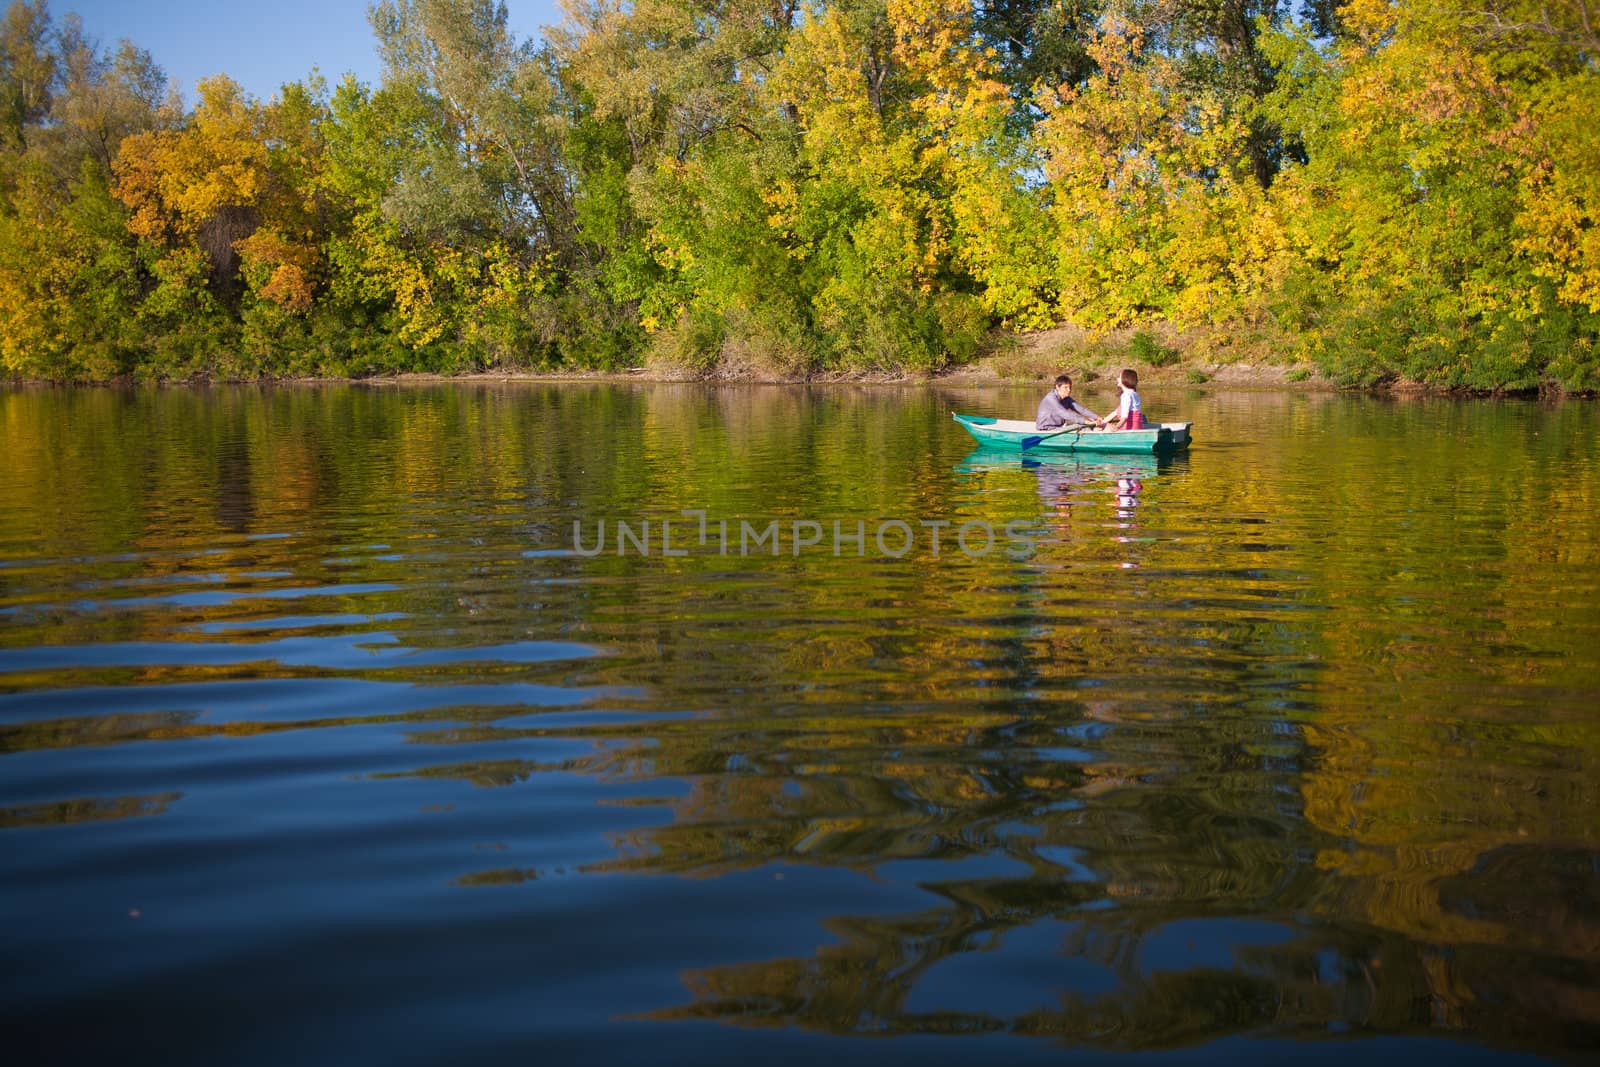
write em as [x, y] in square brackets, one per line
[1278, 737]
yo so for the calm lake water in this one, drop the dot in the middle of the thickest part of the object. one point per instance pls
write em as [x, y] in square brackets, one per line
[320, 741]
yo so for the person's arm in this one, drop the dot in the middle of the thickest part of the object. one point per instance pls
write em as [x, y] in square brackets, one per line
[1088, 417]
[1121, 413]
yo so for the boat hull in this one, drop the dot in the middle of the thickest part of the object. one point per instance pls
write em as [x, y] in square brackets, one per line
[985, 458]
[1163, 438]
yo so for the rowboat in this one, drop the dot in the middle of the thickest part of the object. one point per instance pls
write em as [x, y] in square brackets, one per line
[1022, 435]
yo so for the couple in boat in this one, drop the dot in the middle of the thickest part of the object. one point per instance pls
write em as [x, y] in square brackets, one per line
[1059, 409]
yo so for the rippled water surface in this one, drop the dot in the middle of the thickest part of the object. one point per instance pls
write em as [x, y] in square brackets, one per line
[321, 742]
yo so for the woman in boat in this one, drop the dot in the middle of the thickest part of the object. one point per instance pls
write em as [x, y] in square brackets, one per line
[1058, 409]
[1130, 411]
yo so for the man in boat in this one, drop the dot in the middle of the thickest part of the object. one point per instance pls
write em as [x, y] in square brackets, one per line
[1058, 409]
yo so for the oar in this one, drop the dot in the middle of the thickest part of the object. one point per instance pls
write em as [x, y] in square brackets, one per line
[1029, 442]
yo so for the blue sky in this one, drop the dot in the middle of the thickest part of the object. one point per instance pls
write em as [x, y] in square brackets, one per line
[260, 43]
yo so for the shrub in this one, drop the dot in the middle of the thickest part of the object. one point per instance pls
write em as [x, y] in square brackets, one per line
[691, 345]
[1145, 347]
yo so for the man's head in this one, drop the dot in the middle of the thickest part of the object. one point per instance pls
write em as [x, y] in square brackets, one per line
[1063, 386]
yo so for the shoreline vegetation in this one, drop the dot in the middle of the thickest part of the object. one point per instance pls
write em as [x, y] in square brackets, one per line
[1023, 362]
[1011, 360]
[1372, 194]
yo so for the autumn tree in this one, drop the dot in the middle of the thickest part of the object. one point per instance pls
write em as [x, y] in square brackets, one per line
[69, 269]
[680, 91]
[28, 70]
[1397, 189]
[1157, 207]
[463, 214]
[1438, 224]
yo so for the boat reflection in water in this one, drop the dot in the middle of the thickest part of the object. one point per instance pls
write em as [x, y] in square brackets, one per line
[1067, 480]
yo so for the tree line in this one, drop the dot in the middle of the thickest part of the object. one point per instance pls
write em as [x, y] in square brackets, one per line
[1389, 189]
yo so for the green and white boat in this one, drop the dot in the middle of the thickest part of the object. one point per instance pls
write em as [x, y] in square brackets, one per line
[1021, 435]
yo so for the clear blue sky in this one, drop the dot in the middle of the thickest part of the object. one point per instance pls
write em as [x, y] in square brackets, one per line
[260, 43]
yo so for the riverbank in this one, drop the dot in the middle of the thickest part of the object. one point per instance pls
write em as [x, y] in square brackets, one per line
[1162, 355]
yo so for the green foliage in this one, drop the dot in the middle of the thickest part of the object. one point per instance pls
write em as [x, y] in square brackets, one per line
[692, 344]
[1426, 250]
[1408, 189]
[1146, 347]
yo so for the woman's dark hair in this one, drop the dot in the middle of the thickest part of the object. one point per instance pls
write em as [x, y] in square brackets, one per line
[1129, 378]
[1062, 379]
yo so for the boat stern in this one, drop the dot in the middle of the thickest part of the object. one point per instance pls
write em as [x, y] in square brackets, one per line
[1173, 436]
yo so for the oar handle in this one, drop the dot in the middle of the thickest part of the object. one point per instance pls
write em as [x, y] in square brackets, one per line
[1029, 442]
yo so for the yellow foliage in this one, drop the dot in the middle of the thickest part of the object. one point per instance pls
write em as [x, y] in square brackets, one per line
[1370, 22]
[1153, 213]
[287, 266]
[175, 181]
[1560, 215]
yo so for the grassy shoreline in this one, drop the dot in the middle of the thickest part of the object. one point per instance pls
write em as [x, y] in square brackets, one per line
[1163, 357]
